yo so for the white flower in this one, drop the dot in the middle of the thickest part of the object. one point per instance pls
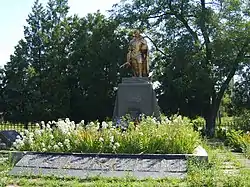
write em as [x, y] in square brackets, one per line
[101, 139]
[67, 141]
[111, 139]
[37, 125]
[43, 124]
[31, 134]
[63, 127]
[21, 144]
[48, 126]
[91, 123]
[67, 120]
[154, 120]
[26, 132]
[60, 144]
[92, 126]
[30, 141]
[51, 136]
[38, 132]
[72, 125]
[167, 120]
[104, 125]
[44, 149]
[55, 147]
[117, 144]
[18, 137]
[43, 144]
[18, 141]
[78, 126]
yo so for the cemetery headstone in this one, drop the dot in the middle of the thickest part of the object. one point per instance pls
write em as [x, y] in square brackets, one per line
[8, 137]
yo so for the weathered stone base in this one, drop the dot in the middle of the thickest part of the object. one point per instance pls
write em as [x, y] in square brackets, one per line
[136, 96]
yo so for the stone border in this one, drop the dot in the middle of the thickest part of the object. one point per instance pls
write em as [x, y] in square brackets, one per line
[15, 156]
[86, 165]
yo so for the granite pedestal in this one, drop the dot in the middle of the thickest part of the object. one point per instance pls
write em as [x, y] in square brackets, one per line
[136, 96]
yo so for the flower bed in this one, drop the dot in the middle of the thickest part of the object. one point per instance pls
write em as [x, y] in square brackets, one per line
[174, 136]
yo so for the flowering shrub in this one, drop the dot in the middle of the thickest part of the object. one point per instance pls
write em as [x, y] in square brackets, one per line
[169, 136]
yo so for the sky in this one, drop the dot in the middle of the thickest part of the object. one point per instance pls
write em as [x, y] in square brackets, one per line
[13, 15]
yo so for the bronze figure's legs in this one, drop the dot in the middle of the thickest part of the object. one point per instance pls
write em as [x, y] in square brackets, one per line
[140, 69]
[135, 68]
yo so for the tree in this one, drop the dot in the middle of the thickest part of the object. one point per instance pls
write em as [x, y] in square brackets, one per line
[65, 66]
[199, 46]
[97, 52]
[241, 92]
[14, 84]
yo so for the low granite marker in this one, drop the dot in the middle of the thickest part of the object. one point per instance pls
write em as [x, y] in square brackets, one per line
[103, 165]
[8, 137]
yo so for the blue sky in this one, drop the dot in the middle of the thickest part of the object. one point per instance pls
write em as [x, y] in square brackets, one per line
[13, 15]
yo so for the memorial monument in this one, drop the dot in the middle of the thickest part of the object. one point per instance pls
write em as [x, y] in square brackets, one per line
[135, 95]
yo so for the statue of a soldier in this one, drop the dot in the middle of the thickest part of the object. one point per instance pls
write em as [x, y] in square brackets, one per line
[138, 55]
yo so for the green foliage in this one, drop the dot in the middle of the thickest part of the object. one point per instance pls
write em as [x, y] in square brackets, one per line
[235, 140]
[241, 96]
[175, 136]
[198, 48]
[238, 140]
[243, 121]
[198, 122]
[236, 122]
[65, 66]
[226, 107]
[198, 174]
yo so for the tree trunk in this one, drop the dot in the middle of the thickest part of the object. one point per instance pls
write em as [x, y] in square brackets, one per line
[210, 124]
[211, 117]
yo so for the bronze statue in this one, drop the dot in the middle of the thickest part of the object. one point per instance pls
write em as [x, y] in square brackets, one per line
[138, 55]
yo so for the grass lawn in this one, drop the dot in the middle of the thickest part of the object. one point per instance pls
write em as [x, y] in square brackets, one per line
[214, 173]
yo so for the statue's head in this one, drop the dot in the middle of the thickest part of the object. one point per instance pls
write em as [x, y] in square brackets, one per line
[136, 33]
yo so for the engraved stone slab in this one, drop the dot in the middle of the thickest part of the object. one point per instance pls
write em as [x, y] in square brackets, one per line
[105, 165]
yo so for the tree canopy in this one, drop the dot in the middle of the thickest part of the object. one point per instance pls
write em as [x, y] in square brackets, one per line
[67, 66]
[199, 46]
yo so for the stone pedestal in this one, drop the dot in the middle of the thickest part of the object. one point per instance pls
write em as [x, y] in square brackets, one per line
[136, 96]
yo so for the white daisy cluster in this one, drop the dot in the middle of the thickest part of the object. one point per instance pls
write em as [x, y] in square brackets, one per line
[29, 140]
[44, 133]
[68, 136]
